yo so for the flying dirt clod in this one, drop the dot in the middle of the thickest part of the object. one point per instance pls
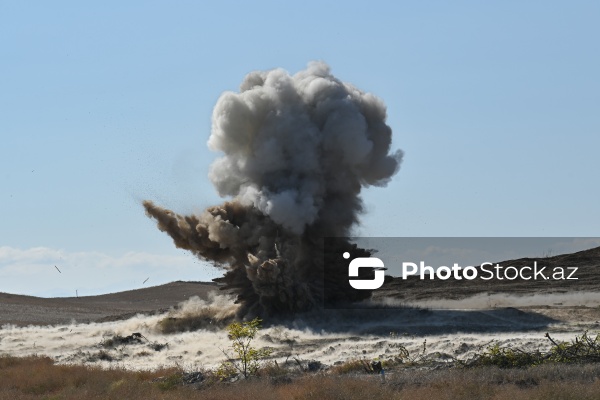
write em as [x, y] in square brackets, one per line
[297, 152]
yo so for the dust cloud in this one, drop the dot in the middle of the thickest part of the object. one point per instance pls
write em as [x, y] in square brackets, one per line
[297, 152]
[439, 334]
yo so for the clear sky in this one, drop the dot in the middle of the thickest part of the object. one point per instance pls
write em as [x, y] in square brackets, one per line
[105, 104]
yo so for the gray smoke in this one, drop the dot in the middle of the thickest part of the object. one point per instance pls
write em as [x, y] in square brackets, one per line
[297, 152]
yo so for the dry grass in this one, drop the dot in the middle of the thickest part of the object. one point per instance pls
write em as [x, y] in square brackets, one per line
[351, 366]
[39, 378]
[549, 381]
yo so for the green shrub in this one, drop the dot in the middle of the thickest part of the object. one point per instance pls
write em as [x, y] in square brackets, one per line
[247, 359]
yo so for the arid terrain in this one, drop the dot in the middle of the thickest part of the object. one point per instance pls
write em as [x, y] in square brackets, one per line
[587, 272]
[89, 344]
[453, 321]
[28, 310]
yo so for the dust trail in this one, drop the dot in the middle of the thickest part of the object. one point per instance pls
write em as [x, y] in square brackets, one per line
[298, 150]
[82, 343]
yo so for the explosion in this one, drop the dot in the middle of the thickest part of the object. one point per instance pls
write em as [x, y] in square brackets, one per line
[297, 152]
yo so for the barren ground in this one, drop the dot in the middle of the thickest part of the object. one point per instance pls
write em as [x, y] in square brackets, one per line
[28, 310]
[451, 320]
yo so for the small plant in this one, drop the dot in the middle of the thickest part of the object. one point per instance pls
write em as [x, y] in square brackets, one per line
[506, 357]
[582, 349]
[273, 370]
[404, 356]
[247, 358]
[226, 371]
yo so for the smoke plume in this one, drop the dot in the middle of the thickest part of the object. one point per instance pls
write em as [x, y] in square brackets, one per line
[297, 152]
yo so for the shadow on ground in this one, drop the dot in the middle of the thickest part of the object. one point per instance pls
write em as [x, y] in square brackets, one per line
[418, 321]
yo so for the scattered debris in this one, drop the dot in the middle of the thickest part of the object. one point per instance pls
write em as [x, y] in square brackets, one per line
[102, 355]
[158, 346]
[134, 338]
[314, 366]
[376, 367]
[190, 378]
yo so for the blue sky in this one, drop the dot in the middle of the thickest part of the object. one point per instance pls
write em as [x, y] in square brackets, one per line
[106, 104]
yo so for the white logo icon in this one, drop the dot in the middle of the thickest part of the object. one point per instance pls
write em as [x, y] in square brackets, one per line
[366, 262]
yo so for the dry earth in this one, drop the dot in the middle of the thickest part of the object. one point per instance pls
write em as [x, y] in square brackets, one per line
[454, 321]
[28, 310]
[587, 273]
[537, 295]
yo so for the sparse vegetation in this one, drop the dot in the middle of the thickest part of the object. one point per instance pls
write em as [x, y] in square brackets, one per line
[351, 366]
[40, 378]
[247, 359]
[583, 349]
[569, 370]
[170, 381]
